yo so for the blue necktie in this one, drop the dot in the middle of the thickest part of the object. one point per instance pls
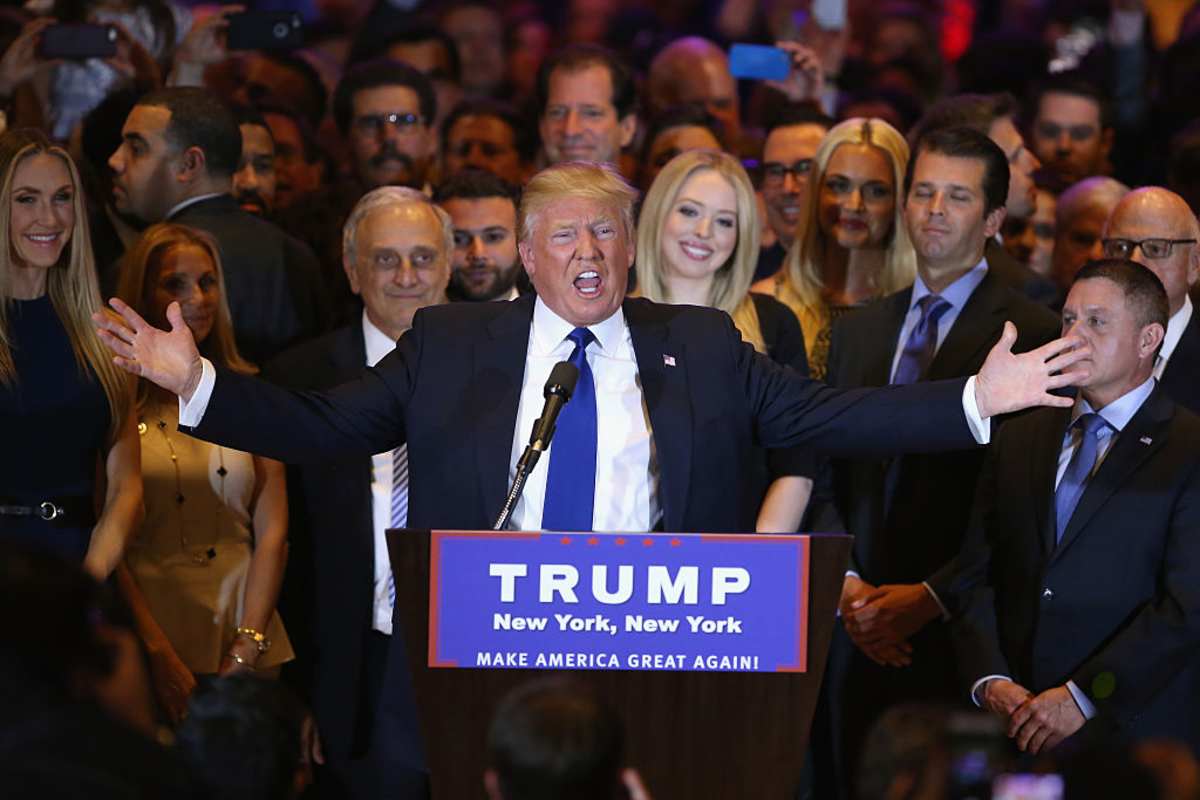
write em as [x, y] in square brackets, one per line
[1079, 469]
[571, 481]
[922, 341]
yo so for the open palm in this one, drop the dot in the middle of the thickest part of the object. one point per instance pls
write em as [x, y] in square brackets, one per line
[166, 358]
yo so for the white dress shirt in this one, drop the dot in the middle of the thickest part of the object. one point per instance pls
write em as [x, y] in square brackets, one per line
[379, 344]
[191, 201]
[626, 470]
[1175, 328]
[1117, 414]
[626, 466]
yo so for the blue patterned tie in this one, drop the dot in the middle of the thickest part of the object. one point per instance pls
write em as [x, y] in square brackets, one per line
[399, 515]
[922, 341]
[1079, 469]
[571, 481]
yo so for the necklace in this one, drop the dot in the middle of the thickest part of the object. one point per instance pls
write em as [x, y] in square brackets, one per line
[199, 556]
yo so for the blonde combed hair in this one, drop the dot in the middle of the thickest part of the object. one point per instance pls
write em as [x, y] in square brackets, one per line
[801, 284]
[72, 284]
[731, 283]
[139, 275]
[585, 180]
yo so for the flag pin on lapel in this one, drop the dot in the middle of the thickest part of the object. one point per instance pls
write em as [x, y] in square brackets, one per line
[1145, 440]
[668, 360]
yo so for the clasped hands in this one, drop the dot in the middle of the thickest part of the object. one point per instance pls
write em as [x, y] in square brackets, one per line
[880, 620]
[1036, 722]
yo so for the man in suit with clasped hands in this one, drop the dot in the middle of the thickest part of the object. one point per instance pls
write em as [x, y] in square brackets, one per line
[1088, 618]
[669, 408]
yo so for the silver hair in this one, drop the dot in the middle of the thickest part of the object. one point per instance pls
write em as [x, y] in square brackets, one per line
[393, 196]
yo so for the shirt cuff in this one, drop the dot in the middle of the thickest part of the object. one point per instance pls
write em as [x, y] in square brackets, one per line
[852, 574]
[938, 600]
[979, 685]
[1085, 705]
[192, 411]
[981, 428]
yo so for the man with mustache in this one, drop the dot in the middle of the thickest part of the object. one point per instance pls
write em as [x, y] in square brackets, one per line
[483, 209]
[254, 181]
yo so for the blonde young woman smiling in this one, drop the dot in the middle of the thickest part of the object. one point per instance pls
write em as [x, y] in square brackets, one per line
[851, 246]
[697, 243]
[65, 410]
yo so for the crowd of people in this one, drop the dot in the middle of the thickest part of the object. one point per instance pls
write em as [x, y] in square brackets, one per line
[259, 306]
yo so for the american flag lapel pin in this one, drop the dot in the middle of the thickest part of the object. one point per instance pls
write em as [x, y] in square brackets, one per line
[668, 360]
[1146, 440]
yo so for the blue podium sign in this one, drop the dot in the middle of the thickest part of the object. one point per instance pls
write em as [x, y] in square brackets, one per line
[670, 602]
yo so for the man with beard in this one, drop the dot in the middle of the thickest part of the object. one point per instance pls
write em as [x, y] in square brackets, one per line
[254, 181]
[483, 209]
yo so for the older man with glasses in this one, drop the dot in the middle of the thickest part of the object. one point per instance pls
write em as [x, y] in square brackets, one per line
[1156, 228]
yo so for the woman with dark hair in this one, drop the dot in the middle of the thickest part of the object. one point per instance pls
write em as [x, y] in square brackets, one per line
[70, 478]
[203, 574]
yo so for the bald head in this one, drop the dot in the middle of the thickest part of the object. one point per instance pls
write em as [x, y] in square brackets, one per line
[695, 70]
[1079, 225]
[1157, 213]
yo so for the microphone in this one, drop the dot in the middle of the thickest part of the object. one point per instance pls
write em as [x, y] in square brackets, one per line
[559, 387]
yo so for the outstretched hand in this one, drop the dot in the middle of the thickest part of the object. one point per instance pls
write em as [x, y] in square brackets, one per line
[1009, 382]
[166, 358]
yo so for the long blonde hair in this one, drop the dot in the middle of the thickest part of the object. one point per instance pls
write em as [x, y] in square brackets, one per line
[731, 283]
[139, 275]
[801, 282]
[72, 284]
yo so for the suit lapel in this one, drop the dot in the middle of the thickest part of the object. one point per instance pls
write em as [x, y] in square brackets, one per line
[501, 355]
[973, 330]
[1142, 437]
[1046, 447]
[879, 353]
[662, 368]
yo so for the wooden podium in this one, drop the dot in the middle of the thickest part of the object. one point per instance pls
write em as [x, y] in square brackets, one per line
[690, 734]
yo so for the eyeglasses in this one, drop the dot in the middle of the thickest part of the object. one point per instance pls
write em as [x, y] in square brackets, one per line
[774, 172]
[1151, 248]
[375, 124]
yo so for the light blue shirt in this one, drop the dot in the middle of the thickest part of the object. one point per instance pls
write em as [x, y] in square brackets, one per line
[956, 294]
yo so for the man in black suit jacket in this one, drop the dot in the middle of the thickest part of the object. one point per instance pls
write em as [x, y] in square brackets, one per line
[463, 386]
[1089, 519]
[338, 572]
[908, 514]
[179, 150]
[1156, 213]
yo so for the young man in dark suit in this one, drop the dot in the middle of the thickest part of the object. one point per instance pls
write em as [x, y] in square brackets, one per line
[179, 150]
[1086, 619]
[397, 260]
[464, 386]
[908, 514]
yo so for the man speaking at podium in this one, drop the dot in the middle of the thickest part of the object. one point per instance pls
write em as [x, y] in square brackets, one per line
[669, 407]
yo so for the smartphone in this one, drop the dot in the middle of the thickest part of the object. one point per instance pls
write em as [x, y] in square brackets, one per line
[829, 14]
[759, 62]
[1027, 787]
[78, 41]
[265, 30]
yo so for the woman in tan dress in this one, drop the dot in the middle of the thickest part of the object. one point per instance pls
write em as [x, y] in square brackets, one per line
[851, 246]
[203, 575]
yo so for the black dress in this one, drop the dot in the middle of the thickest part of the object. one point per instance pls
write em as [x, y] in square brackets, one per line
[54, 422]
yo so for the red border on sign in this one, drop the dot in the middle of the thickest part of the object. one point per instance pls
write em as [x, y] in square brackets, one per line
[435, 582]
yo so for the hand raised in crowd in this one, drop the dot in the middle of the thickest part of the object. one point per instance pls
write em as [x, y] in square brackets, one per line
[134, 61]
[173, 681]
[1042, 722]
[203, 45]
[166, 358]
[883, 650]
[1009, 382]
[21, 61]
[807, 78]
